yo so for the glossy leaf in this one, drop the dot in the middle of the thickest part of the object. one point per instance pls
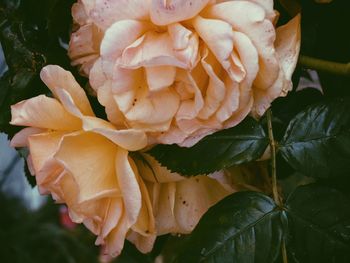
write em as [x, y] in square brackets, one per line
[317, 141]
[319, 225]
[244, 227]
[241, 144]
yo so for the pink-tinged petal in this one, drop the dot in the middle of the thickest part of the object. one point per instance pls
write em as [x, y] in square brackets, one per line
[88, 5]
[145, 224]
[132, 140]
[152, 49]
[249, 18]
[43, 112]
[194, 196]
[121, 35]
[43, 147]
[263, 98]
[230, 102]
[90, 160]
[56, 77]
[160, 77]
[185, 44]
[97, 77]
[21, 138]
[114, 115]
[114, 242]
[107, 12]
[142, 243]
[84, 47]
[79, 14]
[113, 215]
[124, 80]
[216, 89]
[249, 57]
[268, 7]
[164, 214]
[190, 108]
[129, 187]
[218, 36]
[171, 136]
[165, 12]
[48, 179]
[149, 108]
[288, 45]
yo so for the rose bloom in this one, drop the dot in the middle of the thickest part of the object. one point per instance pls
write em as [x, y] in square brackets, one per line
[179, 202]
[83, 161]
[180, 70]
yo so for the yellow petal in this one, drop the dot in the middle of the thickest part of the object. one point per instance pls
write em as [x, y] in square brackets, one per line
[129, 186]
[43, 147]
[194, 196]
[43, 112]
[56, 77]
[90, 159]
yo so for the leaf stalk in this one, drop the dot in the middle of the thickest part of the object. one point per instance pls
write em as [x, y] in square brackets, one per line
[276, 196]
[325, 65]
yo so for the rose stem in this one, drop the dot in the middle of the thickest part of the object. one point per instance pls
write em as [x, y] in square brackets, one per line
[324, 65]
[276, 196]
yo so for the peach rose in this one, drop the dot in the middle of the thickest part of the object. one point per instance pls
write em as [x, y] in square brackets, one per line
[83, 162]
[179, 202]
[180, 70]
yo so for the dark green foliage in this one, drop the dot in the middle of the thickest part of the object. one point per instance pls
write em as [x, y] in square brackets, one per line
[317, 141]
[244, 227]
[241, 144]
[319, 224]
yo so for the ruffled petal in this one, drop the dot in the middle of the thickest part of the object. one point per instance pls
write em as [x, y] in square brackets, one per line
[249, 18]
[129, 186]
[43, 112]
[194, 196]
[43, 147]
[56, 77]
[84, 47]
[120, 35]
[152, 49]
[107, 12]
[130, 139]
[160, 77]
[90, 159]
[288, 45]
[21, 138]
[218, 36]
[171, 11]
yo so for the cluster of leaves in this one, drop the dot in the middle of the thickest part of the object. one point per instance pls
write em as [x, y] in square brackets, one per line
[312, 131]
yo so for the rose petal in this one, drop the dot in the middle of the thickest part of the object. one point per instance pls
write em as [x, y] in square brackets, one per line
[55, 77]
[107, 12]
[43, 112]
[21, 138]
[171, 11]
[249, 18]
[90, 159]
[129, 186]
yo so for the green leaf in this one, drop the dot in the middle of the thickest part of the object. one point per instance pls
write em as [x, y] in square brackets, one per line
[241, 144]
[319, 224]
[244, 227]
[317, 141]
